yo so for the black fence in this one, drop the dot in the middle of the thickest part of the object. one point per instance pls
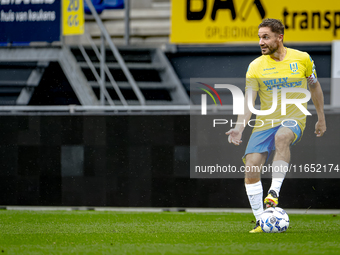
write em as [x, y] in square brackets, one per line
[140, 160]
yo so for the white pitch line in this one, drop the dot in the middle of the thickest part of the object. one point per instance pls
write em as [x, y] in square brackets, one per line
[246, 210]
[167, 209]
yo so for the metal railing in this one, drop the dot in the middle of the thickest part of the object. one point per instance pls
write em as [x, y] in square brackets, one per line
[212, 109]
[103, 67]
[103, 91]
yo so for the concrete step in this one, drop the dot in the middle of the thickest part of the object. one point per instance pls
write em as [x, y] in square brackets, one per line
[18, 83]
[147, 102]
[137, 28]
[119, 40]
[135, 56]
[141, 85]
[8, 100]
[143, 66]
[10, 89]
[161, 13]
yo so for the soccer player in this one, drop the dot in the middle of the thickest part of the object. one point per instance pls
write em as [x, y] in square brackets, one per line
[278, 67]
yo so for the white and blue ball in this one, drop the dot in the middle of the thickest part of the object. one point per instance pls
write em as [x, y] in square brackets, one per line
[274, 220]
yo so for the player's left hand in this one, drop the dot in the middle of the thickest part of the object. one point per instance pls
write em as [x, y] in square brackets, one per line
[320, 128]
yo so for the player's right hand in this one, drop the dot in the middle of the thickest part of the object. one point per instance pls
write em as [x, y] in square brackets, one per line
[234, 136]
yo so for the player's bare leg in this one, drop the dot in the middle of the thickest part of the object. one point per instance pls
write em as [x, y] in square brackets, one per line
[283, 139]
[254, 162]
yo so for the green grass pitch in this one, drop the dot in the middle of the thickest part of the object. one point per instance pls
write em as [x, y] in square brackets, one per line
[93, 232]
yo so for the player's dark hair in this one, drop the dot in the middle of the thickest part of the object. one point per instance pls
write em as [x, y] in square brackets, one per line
[275, 25]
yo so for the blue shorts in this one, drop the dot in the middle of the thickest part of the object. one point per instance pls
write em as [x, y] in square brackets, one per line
[264, 141]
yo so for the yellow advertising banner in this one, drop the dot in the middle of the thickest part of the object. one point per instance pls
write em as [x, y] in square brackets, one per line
[221, 21]
[73, 17]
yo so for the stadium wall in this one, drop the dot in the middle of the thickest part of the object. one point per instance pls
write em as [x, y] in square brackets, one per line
[137, 161]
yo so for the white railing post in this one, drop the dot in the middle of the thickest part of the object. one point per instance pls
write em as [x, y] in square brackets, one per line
[335, 82]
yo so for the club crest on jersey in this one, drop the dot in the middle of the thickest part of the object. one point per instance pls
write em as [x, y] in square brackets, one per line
[294, 67]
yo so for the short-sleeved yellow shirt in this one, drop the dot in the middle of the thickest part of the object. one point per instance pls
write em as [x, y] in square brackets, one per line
[264, 74]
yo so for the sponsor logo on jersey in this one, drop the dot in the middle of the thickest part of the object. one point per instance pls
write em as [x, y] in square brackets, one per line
[267, 69]
[281, 83]
[294, 67]
[264, 74]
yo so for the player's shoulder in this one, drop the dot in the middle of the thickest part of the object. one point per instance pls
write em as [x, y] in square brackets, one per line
[257, 62]
[298, 55]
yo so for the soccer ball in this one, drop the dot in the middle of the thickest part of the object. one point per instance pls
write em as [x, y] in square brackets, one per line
[274, 220]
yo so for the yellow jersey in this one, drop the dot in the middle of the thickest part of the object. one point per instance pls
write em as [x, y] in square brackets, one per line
[264, 74]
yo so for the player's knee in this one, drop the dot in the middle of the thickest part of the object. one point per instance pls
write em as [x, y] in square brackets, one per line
[252, 164]
[253, 160]
[282, 139]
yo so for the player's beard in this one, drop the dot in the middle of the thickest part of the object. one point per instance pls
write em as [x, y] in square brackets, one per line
[271, 49]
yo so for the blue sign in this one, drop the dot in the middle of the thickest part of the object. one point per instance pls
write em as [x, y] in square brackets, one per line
[24, 21]
[101, 5]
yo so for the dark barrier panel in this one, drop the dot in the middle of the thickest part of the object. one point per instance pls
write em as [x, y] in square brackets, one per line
[117, 160]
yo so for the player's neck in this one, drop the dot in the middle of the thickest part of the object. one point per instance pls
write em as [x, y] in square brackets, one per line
[280, 54]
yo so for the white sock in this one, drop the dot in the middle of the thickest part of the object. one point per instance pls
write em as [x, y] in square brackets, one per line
[280, 168]
[255, 196]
